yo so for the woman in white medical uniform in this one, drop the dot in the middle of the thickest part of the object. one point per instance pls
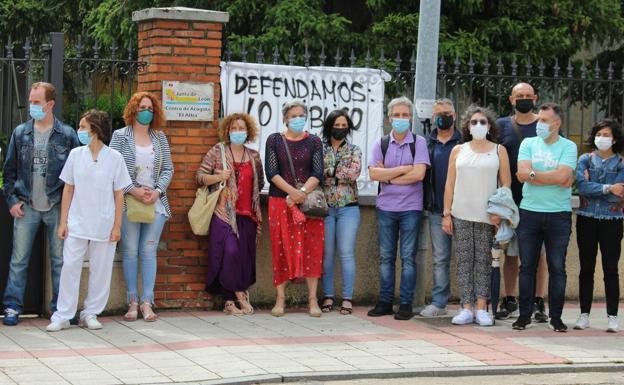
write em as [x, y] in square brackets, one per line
[91, 210]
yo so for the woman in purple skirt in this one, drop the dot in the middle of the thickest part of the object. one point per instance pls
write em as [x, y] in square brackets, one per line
[236, 220]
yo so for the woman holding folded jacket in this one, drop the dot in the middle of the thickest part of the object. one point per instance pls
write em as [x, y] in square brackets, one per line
[476, 167]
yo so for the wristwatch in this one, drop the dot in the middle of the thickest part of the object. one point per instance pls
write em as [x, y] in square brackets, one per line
[606, 189]
[532, 175]
[304, 190]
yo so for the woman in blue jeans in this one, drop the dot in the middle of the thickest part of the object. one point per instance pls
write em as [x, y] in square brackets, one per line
[600, 182]
[148, 159]
[342, 168]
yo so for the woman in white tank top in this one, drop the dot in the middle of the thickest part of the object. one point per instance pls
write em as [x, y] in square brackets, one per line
[476, 168]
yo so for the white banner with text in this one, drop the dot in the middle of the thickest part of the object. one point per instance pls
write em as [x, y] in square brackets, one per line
[262, 89]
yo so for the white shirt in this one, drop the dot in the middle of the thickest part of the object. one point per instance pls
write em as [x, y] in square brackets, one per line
[145, 173]
[476, 178]
[92, 209]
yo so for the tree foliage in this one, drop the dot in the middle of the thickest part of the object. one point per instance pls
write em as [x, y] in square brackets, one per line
[479, 28]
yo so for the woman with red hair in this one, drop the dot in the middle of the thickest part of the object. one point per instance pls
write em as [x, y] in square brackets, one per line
[148, 159]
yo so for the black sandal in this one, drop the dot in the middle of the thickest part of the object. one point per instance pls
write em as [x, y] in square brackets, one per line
[326, 308]
[346, 310]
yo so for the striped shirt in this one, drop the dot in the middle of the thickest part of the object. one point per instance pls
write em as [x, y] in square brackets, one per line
[123, 141]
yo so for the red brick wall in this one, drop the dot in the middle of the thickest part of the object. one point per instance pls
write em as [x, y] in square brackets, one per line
[182, 51]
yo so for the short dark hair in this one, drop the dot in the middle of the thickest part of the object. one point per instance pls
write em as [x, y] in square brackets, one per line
[492, 134]
[100, 124]
[616, 130]
[555, 108]
[329, 123]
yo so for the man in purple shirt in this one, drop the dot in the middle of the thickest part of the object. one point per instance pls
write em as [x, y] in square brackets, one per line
[398, 162]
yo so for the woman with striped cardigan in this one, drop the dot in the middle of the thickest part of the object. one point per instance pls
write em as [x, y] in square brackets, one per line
[148, 158]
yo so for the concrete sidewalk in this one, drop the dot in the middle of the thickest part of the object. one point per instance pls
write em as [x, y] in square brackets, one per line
[209, 347]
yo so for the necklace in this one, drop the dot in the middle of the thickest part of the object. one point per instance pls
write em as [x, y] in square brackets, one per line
[236, 171]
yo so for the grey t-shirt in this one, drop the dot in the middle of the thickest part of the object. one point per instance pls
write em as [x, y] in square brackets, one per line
[40, 201]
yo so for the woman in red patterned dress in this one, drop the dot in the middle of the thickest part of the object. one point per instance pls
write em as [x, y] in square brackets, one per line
[296, 241]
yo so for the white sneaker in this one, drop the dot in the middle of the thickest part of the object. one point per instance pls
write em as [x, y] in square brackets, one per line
[91, 322]
[613, 326]
[464, 317]
[432, 311]
[57, 326]
[583, 322]
[483, 318]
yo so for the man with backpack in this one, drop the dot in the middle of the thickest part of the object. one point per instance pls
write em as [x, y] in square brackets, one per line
[513, 130]
[398, 162]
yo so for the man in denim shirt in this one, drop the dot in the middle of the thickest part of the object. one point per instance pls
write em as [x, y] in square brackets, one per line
[35, 157]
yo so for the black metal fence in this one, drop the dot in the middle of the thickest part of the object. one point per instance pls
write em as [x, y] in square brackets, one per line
[85, 76]
[588, 91]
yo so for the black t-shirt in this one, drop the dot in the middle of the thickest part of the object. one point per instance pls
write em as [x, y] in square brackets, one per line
[509, 138]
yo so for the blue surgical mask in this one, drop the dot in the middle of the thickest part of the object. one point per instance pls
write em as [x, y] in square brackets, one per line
[36, 112]
[84, 138]
[542, 130]
[238, 137]
[297, 124]
[145, 117]
[400, 125]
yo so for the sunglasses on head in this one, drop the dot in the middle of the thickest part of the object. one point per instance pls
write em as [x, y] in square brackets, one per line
[474, 122]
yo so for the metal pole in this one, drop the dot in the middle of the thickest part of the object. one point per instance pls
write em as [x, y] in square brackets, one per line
[425, 81]
[426, 61]
[57, 40]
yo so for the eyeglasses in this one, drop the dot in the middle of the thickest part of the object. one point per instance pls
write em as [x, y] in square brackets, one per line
[474, 122]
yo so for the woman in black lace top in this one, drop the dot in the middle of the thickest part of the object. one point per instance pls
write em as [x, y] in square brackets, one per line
[296, 245]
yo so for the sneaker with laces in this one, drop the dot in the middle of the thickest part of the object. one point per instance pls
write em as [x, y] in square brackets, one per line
[582, 322]
[91, 322]
[612, 325]
[57, 326]
[432, 311]
[540, 315]
[508, 308]
[404, 312]
[381, 309]
[11, 317]
[483, 318]
[521, 323]
[464, 317]
[557, 325]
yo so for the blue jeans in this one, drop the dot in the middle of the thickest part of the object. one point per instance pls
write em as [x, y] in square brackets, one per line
[140, 239]
[341, 227]
[553, 229]
[402, 227]
[24, 232]
[441, 247]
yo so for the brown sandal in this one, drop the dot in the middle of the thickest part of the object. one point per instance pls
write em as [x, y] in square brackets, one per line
[133, 312]
[231, 309]
[147, 312]
[346, 310]
[245, 306]
[327, 307]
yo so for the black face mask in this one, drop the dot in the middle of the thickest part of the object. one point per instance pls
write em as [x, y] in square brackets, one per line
[339, 133]
[524, 105]
[444, 122]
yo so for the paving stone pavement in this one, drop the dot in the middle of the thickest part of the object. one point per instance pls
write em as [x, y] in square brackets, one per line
[209, 347]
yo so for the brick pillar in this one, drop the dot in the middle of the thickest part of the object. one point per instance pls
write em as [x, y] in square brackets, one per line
[182, 44]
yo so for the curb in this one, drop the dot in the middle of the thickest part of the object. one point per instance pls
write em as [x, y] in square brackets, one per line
[406, 373]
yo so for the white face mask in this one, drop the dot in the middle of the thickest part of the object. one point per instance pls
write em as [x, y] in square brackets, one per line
[603, 143]
[478, 131]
